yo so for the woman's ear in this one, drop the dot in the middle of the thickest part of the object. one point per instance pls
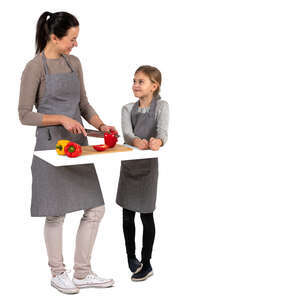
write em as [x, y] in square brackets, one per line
[54, 38]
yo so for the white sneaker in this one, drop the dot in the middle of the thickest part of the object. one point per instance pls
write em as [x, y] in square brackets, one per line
[93, 280]
[64, 284]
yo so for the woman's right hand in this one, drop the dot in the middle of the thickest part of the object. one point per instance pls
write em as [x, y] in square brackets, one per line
[72, 125]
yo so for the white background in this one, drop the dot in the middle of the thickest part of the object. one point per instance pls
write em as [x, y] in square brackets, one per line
[227, 218]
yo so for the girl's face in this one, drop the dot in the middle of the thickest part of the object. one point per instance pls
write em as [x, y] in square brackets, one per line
[66, 43]
[142, 85]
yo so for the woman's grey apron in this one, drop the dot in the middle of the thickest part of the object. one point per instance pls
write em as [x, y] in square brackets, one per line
[137, 187]
[59, 190]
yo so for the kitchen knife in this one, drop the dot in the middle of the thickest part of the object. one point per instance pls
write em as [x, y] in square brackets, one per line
[96, 133]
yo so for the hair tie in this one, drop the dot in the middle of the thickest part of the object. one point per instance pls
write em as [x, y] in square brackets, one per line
[49, 16]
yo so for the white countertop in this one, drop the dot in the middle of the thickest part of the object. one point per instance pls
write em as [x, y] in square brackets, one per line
[56, 160]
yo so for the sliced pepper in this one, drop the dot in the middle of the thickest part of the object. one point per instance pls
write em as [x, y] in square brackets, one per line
[73, 149]
[60, 146]
[101, 147]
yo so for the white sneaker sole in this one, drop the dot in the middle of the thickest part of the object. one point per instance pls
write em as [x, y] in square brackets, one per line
[144, 278]
[97, 285]
[65, 291]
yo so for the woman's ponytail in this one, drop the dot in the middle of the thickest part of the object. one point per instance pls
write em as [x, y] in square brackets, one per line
[58, 23]
[42, 32]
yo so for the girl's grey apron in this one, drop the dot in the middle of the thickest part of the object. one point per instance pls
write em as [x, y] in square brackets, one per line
[59, 190]
[137, 187]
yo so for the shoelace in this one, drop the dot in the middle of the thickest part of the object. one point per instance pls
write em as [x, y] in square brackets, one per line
[93, 276]
[64, 278]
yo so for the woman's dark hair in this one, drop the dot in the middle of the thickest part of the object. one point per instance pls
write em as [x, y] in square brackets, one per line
[58, 23]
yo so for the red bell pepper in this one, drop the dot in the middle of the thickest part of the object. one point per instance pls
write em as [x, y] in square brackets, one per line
[101, 147]
[73, 149]
[110, 138]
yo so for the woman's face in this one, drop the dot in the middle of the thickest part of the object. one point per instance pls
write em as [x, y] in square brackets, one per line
[142, 85]
[66, 43]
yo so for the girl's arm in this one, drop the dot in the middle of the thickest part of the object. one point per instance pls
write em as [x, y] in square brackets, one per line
[127, 129]
[129, 137]
[162, 126]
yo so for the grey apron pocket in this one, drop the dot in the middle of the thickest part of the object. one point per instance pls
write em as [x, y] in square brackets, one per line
[136, 168]
[137, 172]
[137, 186]
[44, 139]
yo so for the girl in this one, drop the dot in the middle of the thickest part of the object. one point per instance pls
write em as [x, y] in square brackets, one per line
[145, 126]
[53, 82]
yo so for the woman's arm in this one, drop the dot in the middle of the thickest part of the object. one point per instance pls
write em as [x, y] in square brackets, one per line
[30, 84]
[68, 123]
[86, 110]
[99, 124]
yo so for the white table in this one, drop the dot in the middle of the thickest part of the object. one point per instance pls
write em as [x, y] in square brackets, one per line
[51, 157]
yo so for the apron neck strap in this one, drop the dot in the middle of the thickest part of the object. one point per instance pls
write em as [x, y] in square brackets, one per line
[151, 111]
[67, 61]
[46, 66]
[45, 63]
[153, 105]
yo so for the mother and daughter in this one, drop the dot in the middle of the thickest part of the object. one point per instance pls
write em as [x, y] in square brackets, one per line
[53, 82]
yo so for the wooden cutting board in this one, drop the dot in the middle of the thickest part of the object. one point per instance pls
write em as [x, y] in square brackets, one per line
[87, 150]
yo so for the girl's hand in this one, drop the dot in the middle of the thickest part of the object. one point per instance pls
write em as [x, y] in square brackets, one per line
[107, 128]
[72, 125]
[155, 144]
[141, 144]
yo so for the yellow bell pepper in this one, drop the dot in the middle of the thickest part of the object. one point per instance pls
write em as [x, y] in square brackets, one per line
[60, 146]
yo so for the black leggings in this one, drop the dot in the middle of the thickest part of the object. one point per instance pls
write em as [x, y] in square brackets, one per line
[129, 233]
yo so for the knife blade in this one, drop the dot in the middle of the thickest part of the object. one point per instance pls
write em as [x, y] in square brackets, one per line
[96, 133]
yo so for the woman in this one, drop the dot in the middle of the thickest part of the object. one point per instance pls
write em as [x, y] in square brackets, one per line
[53, 82]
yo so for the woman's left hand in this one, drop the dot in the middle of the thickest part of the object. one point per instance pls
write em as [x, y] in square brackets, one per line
[155, 144]
[107, 128]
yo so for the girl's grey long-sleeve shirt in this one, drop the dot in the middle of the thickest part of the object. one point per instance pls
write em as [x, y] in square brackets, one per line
[33, 88]
[161, 115]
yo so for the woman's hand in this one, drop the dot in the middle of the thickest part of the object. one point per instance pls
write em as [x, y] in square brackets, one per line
[107, 128]
[142, 144]
[155, 144]
[72, 125]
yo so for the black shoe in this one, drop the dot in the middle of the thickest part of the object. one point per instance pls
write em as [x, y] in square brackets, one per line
[134, 265]
[143, 274]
